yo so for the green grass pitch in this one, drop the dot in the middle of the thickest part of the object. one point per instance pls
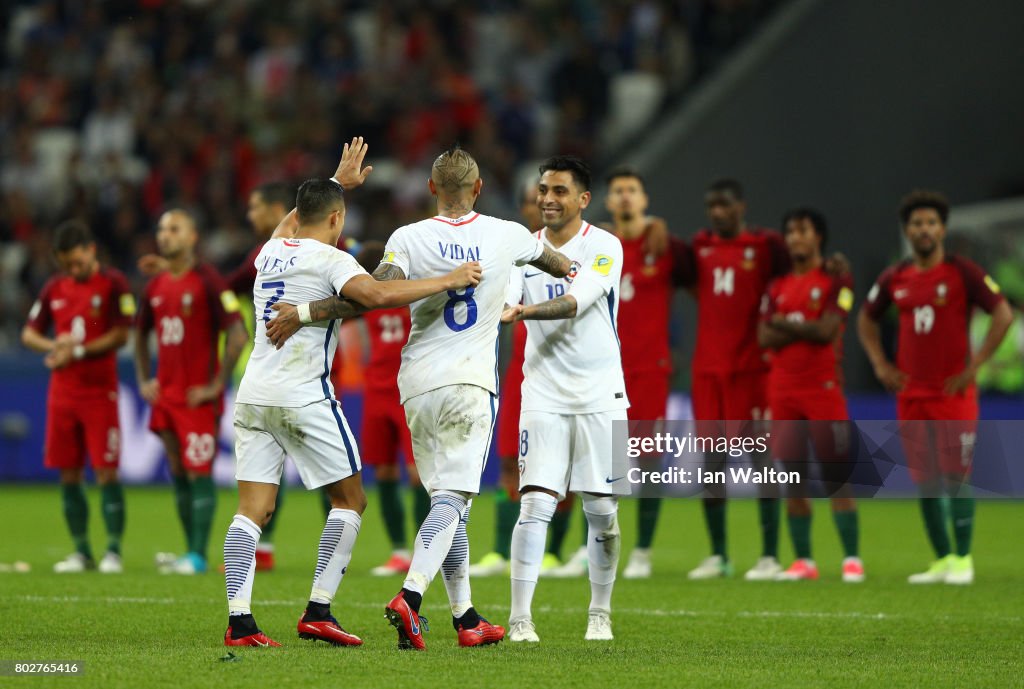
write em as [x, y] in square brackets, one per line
[144, 629]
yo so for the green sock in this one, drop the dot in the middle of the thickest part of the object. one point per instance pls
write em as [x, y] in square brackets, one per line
[393, 512]
[935, 525]
[557, 529]
[204, 504]
[112, 496]
[800, 532]
[268, 530]
[507, 514]
[849, 532]
[420, 505]
[183, 501]
[714, 518]
[768, 515]
[962, 511]
[647, 519]
[76, 513]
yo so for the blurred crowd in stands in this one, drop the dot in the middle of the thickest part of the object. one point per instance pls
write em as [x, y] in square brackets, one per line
[113, 110]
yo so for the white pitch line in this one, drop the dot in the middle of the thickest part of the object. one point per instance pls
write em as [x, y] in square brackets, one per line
[648, 612]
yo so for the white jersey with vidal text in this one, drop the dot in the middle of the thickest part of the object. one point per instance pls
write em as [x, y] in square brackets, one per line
[294, 271]
[454, 335]
[574, 365]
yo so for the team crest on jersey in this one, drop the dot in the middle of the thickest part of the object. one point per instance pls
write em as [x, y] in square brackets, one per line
[602, 264]
[574, 268]
[95, 303]
[748, 258]
[186, 304]
[815, 298]
[940, 294]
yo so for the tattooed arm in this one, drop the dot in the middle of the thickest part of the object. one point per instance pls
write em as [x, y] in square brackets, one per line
[387, 288]
[553, 263]
[551, 310]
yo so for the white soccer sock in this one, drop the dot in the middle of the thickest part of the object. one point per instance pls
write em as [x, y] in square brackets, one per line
[240, 563]
[535, 512]
[434, 539]
[334, 554]
[602, 548]
[455, 568]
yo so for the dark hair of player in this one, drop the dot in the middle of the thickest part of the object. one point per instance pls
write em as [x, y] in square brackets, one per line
[280, 193]
[579, 170]
[623, 171]
[729, 185]
[370, 254]
[816, 218]
[71, 234]
[924, 198]
[318, 198]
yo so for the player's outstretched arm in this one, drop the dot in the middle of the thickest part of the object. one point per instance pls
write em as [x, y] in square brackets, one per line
[870, 335]
[551, 310]
[386, 289]
[553, 263]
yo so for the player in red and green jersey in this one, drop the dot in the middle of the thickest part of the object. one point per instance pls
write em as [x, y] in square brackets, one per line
[730, 266]
[933, 377]
[89, 308]
[803, 315]
[188, 306]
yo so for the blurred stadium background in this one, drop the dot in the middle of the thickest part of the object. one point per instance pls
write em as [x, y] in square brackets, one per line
[113, 110]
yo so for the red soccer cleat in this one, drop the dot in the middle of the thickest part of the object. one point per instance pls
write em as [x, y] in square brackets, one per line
[327, 630]
[408, 623]
[264, 560]
[481, 635]
[801, 570]
[257, 639]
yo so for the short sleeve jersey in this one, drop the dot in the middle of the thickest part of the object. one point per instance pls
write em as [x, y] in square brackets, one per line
[84, 310]
[294, 271]
[803, 365]
[454, 335]
[574, 365]
[935, 308]
[188, 313]
[730, 277]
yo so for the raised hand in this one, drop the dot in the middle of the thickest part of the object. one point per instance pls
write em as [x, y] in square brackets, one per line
[350, 172]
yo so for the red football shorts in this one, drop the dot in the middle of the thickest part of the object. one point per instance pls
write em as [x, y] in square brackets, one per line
[77, 428]
[195, 429]
[816, 415]
[729, 397]
[384, 431]
[938, 434]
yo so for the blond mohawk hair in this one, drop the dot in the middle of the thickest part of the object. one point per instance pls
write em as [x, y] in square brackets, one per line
[454, 170]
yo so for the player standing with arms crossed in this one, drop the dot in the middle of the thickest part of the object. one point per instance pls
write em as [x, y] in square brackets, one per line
[90, 309]
[803, 318]
[573, 392]
[933, 376]
[448, 379]
[188, 306]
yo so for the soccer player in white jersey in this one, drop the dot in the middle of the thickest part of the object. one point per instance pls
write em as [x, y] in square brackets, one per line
[573, 392]
[285, 403]
[448, 379]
